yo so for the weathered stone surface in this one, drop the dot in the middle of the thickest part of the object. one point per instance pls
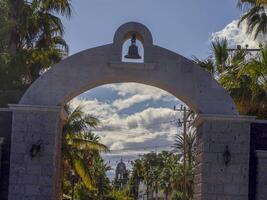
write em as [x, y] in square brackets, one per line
[31, 175]
[216, 179]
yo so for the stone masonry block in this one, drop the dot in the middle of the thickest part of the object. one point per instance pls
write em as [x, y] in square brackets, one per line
[34, 169]
[31, 179]
[231, 189]
[32, 189]
[17, 189]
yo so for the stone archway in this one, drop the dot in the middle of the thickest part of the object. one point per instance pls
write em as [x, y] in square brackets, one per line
[39, 114]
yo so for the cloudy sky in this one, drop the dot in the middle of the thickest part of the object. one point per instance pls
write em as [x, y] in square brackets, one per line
[136, 118]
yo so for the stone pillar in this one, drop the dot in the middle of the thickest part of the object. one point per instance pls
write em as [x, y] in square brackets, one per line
[261, 183]
[214, 179]
[38, 177]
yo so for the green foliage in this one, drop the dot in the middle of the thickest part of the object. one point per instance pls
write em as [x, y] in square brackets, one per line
[118, 195]
[243, 75]
[161, 173]
[185, 147]
[255, 16]
[80, 148]
[220, 52]
[136, 177]
[177, 195]
[190, 148]
[31, 41]
[101, 181]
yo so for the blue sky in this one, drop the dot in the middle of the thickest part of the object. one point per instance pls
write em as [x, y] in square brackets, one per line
[184, 26]
[133, 117]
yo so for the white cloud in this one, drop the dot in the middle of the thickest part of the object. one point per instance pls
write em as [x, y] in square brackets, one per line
[120, 131]
[151, 125]
[150, 118]
[138, 132]
[128, 102]
[101, 110]
[124, 89]
[238, 35]
[134, 93]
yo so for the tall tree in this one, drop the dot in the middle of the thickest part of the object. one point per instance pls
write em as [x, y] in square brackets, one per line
[136, 177]
[31, 41]
[80, 147]
[244, 76]
[187, 169]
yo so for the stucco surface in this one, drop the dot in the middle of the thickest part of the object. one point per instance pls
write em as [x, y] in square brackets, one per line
[102, 65]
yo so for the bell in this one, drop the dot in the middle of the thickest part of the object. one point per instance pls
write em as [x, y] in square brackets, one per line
[133, 49]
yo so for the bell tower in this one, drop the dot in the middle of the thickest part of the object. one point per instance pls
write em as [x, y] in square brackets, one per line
[121, 176]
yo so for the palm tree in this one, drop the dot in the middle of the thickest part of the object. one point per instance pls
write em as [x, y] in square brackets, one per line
[62, 7]
[218, 62]
[31, 40]
[251, 92]
[184, 146]
[136, 177]
[186, 170]
[257, 67]
[255, 16]
[99, 170]
[190, 142]
[168, 174]
[32, 20]
[79, 146]
[243, 75]
[220, 53]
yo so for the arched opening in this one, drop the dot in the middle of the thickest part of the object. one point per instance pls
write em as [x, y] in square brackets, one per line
[137, 121]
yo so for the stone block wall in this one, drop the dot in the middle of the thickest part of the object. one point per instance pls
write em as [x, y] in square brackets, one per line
[39, 178]
[214, 179]
[5, 134]
[35, 178]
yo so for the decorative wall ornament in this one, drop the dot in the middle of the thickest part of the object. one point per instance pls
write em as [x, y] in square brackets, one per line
[226, 156]
[36, 148]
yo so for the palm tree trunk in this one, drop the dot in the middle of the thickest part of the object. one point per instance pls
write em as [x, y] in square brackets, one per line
[148, 192]
[157, 190]
[15, 6]
[166, 193]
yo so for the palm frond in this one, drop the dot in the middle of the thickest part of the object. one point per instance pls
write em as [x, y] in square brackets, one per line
[220, 52]
[62, 7]
[82, 170]
[88, 145]
[206, 64]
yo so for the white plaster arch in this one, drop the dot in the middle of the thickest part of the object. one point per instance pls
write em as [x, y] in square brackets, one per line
[102, 65]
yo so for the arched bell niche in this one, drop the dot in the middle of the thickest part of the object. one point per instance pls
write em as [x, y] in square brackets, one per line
[133, 50]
